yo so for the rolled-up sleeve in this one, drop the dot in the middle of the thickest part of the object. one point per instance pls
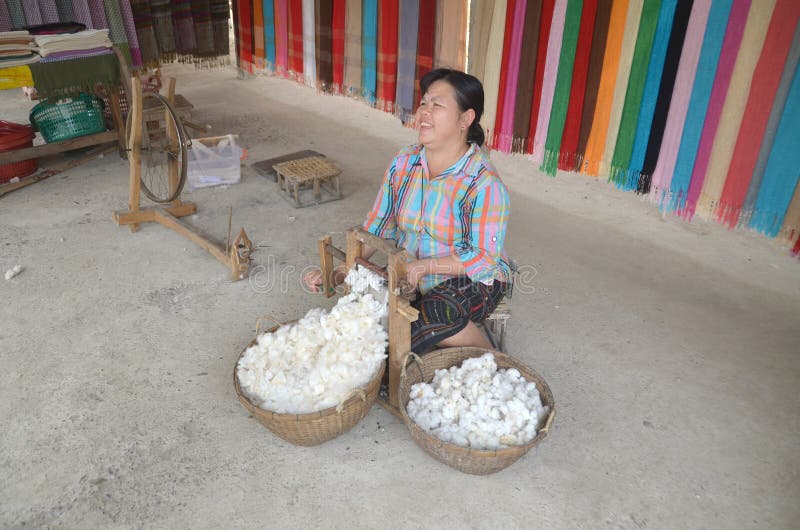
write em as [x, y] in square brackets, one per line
[381, 220]
[481, 249]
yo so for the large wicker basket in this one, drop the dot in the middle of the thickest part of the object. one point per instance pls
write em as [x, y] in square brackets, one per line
[316, 427]
[473, 461]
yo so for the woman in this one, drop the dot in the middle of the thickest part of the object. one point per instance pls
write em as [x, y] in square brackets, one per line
[444, 203]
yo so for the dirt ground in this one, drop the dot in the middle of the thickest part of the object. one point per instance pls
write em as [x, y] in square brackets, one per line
[671, 349]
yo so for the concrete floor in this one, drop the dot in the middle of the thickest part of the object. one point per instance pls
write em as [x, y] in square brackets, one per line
[671, 349]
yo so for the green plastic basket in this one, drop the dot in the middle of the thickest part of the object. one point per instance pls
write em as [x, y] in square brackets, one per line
[69, 118]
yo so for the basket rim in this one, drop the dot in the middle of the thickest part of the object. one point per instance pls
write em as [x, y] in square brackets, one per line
[330, 411]
[472, 351]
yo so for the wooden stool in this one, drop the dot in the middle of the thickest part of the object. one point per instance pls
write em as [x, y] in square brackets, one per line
[316, 172]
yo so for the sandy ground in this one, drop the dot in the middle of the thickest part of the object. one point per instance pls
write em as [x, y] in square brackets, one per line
[671, 349]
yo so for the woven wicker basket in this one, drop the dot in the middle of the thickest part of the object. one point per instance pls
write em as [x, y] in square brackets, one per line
[473, 461]
[316, 427]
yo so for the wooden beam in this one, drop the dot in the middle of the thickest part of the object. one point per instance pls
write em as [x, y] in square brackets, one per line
[164, 218]
[384, 245]
[135, 144]
[55, 148]
[399, 325]
[146, 215]
[336, 253]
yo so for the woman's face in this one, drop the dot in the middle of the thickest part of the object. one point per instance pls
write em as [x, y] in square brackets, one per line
[440, 120]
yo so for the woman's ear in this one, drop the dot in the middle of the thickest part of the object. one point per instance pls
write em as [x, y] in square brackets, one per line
[467, 117]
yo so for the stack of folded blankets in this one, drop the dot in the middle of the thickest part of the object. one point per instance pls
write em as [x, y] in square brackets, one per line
[17, 48]
[72, 45]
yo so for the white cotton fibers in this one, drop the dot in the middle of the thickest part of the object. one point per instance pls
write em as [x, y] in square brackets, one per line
[317, 362]
[478, 406]
[10, 273]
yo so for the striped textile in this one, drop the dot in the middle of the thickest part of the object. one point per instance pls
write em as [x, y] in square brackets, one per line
[268, 8]
[491, 79]
[568, 151]
[281, 38]
[338, 24]
[295, 39]
[259, 58]
[687, 68]
[417, 211]
[324, 44]
[406, 58]
[309, 43]
[352, 48]
[526, 76]
[763, 89]
[388, 15]
[369, 50]
[425, 42]
[506, 130]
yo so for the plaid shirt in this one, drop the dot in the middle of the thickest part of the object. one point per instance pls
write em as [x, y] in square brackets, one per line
[462, 212]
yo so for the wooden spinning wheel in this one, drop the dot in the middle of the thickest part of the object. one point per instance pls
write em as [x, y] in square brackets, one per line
[158, 164]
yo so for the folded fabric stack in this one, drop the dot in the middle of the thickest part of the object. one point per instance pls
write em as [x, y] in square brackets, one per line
[71, 45]
[17, 48]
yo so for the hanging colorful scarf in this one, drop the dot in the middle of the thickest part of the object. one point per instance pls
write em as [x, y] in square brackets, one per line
[352, 48]
[337, 44]
[780, 176]
[48, 11]
[698, 104]
[491, 79]
[504, 69]
[130, 31]
[682, 92]
[281, 38]
[324, 42]
[593, 74]
[32, 15]
[116, 31]
[259, 56]
[551, 67]
[309, 43]
[621, 158]
[425, 42]
[620, 87]
[655, 69]
[387, 54]
[369, 50]
[676, 38]
[268, 8]
[162, 25]
[407, 58]
[451, 29]
[296, 40]
[506, 130]
[5, 18]
[566, 65]
[763, 88]
[776, 111]
[219, 23]
[526, 76]
[143, 20]
[235, 13]
[755, 32]
[183, 27]
[572, 122]
[98, 14]
[203, 31]
[605, 93]
[545, 24]
[727, 60]
[65, 13]
[480, 27]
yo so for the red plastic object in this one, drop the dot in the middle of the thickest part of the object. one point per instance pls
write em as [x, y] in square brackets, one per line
[15, 136]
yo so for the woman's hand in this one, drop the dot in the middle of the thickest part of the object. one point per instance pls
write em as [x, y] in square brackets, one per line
[313, 278]
[416, 270]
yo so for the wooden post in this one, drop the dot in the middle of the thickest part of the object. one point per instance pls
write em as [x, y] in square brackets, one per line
[135, 143]
[326, 266]
[116, 116]
[399, 329]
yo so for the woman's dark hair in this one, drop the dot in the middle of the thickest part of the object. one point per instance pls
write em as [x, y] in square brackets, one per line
[469, 95]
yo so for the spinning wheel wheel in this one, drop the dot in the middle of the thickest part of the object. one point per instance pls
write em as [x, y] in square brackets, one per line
[161, 149]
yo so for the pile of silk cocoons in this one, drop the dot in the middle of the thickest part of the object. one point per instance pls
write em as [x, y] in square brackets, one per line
[316, 363]
[478, 406]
